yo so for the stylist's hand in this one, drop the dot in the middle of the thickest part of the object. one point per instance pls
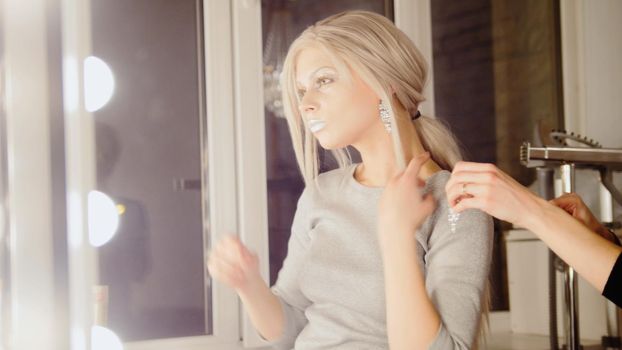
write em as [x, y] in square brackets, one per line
[231, 263]
[574, 205]
[485, 187]
[402, 208]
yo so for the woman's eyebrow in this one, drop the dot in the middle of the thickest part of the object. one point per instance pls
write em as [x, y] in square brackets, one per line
[314, 73]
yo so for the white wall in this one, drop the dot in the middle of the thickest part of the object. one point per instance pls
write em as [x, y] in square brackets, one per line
[592, 74]
[592, 58]
[603, 70]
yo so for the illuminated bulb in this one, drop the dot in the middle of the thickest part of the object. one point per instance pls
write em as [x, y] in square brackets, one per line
[103, 338]
[98, 83]
[103, 218]
[121, 209]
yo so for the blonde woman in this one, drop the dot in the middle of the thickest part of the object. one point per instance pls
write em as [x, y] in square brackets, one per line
[376, 258]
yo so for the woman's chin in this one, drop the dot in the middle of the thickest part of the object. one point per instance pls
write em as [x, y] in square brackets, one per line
[331, 144]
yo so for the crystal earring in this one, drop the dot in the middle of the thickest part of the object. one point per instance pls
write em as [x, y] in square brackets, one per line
[384, 116]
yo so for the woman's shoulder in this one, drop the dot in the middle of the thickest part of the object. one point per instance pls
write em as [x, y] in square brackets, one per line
[435, 185]
[436, 182]
[445, 222]
[325, 183]
[329, 185]
[335, 177]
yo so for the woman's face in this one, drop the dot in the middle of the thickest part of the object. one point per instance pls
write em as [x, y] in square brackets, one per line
[338, 112]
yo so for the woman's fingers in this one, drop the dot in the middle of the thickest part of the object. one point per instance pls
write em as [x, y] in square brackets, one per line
[474, 167]
[567, 200]
[472, 176]
[222, 270]
[470, 203]
[459, 191]
[249, 259]
[468, 177]
[424, 209]
[233, 249]
[402, 202]
[238, 252]
[428, 204]
[485, 187]
[230, 262]
[411, 173]
[574, 205]
[228, 250]
[413, 167]
[221, 259]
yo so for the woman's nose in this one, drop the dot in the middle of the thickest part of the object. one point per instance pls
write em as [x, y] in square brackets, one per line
[307, 106]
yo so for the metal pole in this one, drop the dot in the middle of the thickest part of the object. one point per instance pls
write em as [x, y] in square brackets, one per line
[570, 276]
[545, 182]
[546, 190]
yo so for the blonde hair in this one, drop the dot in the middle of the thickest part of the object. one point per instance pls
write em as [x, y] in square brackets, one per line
[387, 61]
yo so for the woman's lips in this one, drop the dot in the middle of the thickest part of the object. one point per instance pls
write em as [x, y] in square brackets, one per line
[316, 125]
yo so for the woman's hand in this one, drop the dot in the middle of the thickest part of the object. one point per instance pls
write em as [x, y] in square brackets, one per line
[402, 208]
[485, 187]
[231, 263]
[574, 206]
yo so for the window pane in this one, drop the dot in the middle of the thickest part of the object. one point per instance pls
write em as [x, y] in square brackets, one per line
[148, 147]
[497, 71]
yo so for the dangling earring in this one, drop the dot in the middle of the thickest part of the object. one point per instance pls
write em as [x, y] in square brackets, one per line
[384, 116]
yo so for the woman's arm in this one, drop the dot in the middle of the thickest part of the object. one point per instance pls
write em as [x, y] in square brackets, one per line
[278, 312]
[408, 306]
[441, 307]
[412, 319]
[573, 205]
[591, 255]
[232, 263]
[445, 303]
[483, 186]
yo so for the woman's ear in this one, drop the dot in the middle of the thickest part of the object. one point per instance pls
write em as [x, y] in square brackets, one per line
[397, 104]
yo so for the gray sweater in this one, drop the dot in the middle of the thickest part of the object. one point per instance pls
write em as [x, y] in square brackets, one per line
[331, 285]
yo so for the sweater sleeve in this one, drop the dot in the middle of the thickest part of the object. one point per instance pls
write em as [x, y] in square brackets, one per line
[287, 287]
[613, 287]
[457, 265]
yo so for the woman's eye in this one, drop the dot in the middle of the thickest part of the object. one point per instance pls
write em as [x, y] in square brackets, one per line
[324, 81]
[301, 93]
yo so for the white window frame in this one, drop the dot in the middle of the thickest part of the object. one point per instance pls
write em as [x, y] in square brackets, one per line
[30, 241]
[414, 17]
[250, 144]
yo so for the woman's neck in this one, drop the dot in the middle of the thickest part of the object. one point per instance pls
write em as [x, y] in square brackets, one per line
[379, 163]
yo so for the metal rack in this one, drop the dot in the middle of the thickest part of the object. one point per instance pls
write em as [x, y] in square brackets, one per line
[566, 160]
